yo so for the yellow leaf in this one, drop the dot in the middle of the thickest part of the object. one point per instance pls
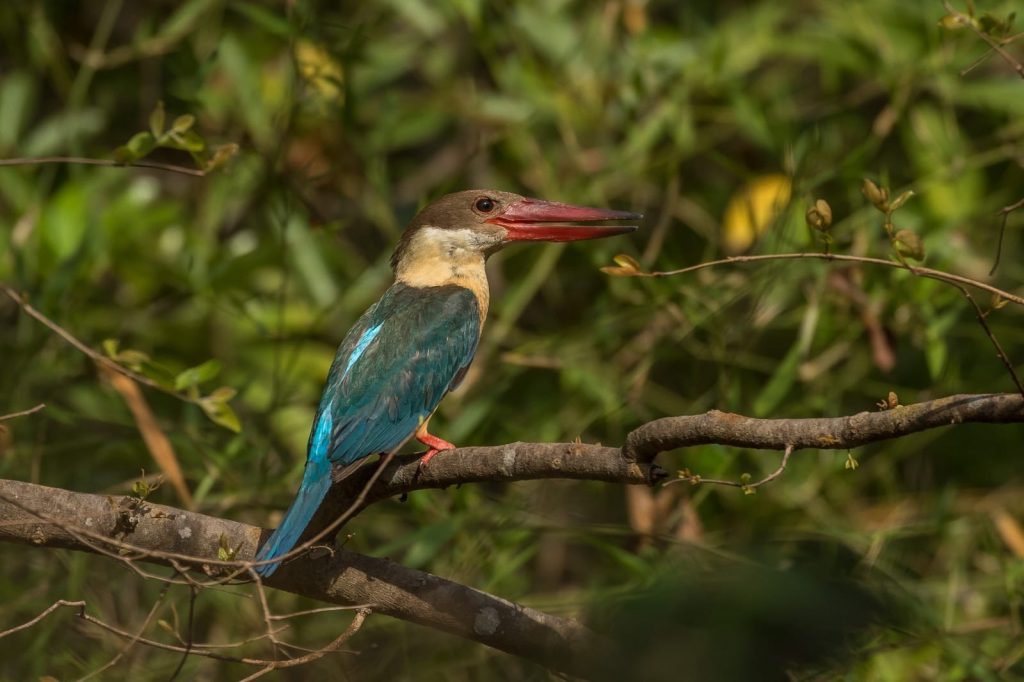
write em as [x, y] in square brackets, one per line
[1010, 531]
[752, 209]
[615, 271]
[319, 69]
[627, 261]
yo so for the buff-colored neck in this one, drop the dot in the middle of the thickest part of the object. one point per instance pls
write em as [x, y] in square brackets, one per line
[437, 257]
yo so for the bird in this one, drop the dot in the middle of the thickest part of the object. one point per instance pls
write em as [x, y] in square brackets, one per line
[415, 344]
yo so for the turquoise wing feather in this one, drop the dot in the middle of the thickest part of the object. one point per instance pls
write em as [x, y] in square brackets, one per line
[393, 368]
[420, 342]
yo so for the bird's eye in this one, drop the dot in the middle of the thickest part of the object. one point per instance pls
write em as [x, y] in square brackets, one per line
[484, 204]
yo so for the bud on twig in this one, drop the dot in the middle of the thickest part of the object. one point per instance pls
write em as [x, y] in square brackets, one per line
[625, 266]
[819, 216]
[875, 194]
[901, 199]
[909, 244]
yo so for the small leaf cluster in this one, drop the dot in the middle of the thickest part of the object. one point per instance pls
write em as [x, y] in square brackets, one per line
[185, 384]
[987, 23]
[180, 135]
[819, 218]
[906, 243]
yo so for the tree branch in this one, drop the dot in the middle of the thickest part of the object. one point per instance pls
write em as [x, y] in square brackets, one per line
[826, 433]
[132, 530]
[512, 462]
[341, 576]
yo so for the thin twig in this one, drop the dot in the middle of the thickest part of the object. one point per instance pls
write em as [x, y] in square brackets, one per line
[74, 341]
[166, 647]
[267, 619]
[110, 163]
[1005, 212]
[138, 633]
[997, 46]
[325, 609]
[357, 622]
[23, 413]
[96, 356]
[53, 607]
[190, 642]
[696, 479]
[923, 272]
[992, 337]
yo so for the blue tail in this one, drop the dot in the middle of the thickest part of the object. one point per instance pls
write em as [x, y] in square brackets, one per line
[316, 481]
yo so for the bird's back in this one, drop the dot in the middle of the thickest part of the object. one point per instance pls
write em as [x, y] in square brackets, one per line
[393, 368]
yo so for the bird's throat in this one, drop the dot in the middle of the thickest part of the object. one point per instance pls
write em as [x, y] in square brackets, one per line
[438, 258]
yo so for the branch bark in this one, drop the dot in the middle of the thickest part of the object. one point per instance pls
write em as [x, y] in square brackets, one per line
[342, 576]
[512, 462]
[827, 433]
[49, 517]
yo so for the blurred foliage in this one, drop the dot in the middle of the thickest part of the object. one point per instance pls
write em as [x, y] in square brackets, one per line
[347, 118]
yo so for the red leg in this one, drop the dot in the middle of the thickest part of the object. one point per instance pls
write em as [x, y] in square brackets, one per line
[433, 443]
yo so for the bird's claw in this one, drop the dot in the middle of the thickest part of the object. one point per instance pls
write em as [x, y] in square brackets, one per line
[429, 454]
[434, 446]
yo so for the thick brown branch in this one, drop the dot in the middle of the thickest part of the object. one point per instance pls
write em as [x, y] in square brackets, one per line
[827, 433]
[339, 576]
[512, 462]
[134, 531]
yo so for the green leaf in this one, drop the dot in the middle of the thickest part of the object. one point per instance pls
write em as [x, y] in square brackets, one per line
[188, 141]
[110, 347]
[139, 146]
[901, 199]
[157, 119]
[221, 413]
[222, 394]
[193, 376]
[141, 488]
[183, 124]
[226, 552]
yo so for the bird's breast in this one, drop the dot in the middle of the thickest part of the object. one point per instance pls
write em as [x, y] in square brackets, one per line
[441, 269]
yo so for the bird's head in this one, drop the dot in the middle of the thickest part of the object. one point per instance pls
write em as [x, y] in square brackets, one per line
[478, 222]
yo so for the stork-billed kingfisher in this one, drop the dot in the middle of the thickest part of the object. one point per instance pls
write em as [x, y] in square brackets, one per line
[415, 344]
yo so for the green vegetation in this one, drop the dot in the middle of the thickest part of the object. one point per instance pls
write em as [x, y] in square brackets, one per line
[229, 292]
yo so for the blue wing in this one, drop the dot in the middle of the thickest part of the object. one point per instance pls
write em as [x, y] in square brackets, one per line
[393, 368]
[392, 371]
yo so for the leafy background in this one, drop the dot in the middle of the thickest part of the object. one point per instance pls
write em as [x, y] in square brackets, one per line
[347, 119]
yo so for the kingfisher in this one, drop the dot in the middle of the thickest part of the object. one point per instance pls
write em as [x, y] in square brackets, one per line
[416, 342]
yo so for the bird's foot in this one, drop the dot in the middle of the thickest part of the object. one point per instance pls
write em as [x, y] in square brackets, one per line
[434, 445]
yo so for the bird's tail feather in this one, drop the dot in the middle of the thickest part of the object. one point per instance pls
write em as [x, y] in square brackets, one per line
[316, 481]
